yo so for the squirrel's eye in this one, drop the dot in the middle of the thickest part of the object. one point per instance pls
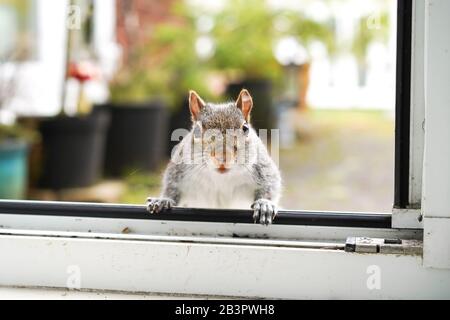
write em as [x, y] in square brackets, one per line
[245, 128]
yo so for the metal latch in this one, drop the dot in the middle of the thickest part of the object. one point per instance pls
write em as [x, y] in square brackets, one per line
[384, 246]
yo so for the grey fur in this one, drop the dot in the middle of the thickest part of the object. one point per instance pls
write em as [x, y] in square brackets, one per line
[221, 116]
[263, 170]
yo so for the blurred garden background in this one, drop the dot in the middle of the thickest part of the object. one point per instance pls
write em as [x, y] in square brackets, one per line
[91, 90]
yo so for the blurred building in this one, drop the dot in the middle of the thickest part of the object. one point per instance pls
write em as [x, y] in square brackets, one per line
[338, 82]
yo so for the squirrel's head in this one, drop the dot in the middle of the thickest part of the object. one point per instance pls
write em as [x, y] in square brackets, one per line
[222, 132]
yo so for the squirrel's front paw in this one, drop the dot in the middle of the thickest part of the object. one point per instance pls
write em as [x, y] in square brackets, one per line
[156, 205]
[264, 211]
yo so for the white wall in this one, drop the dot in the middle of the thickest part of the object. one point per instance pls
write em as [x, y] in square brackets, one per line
[41, 80]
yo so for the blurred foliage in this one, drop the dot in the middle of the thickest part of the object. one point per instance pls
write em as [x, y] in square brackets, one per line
[16, 131]
[23, 42]
[307, 30]
[21, 8]
[135, 84]
[367, 34]
[245, 32]
[166, 66]
[8, 91]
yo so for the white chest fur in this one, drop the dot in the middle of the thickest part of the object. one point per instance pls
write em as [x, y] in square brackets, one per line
[211, 189]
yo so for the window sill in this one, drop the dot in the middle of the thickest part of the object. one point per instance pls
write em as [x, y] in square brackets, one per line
[123, 248]
[220, 267]
[134, 220]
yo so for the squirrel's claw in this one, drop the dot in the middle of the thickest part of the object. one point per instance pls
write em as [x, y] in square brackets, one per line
[264, 211]
[157, 205]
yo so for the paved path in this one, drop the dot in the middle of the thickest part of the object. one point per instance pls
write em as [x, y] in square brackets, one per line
[343, 161]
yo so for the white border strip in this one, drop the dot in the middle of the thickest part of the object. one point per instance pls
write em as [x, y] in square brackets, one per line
[215, 269]
[197, 229]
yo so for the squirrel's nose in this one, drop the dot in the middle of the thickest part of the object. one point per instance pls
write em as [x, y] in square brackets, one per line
[222, 155]
[221, 162]
[218, 161]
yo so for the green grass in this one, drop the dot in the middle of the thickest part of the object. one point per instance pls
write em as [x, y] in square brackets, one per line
[140, 185]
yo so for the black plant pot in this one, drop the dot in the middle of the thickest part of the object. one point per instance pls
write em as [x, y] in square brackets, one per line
[73, 150]
[137, 136]
[263, 113]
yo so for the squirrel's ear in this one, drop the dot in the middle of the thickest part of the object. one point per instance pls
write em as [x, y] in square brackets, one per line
[245, 103]
[196, 104]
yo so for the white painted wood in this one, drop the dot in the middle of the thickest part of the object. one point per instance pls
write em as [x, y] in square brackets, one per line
[407, 218]
[417, 104]
[337, 245]
[436, 178]
[436, 198]
[198, 229]
[436, 250]
[15, 293]
[215, 269]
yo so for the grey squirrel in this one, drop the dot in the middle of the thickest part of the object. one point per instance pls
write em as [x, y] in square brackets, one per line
[221, 163]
